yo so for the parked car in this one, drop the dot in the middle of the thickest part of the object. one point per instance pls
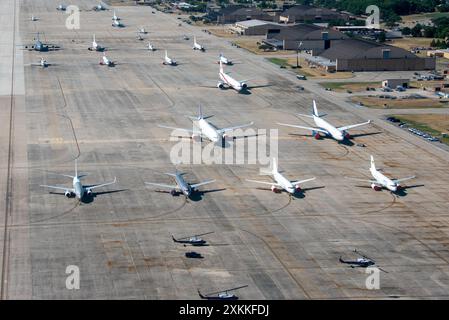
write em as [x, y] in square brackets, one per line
[301, 77]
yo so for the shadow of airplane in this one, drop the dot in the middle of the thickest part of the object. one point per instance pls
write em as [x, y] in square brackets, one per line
[198, 195]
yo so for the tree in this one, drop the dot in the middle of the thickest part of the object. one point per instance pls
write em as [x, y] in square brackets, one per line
[406, 31]
[416, 30]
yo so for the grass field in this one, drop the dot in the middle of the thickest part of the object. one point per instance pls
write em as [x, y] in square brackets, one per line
[379, 103]
[434, 124]
[415, 18]
[353, 86]
[408, 43]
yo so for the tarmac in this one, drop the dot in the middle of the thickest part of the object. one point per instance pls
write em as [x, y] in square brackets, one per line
[281, 246]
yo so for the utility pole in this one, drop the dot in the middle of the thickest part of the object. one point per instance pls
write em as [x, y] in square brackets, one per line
[297, 55]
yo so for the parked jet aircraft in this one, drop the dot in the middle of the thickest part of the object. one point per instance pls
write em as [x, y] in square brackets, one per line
[169, 61]
[181, 185]
[61, 7]
[99, 7]
[106, 62]
[325, 127]
[228, 81]
[151, 47]
[40, 46]
[224, 60]
[117, 24]
[42, 63]
[282, 184]
[197, 46]
[208, 130]
[115, 17]
[78, 190]
[381, 181]
[142, 30]
[221, 295]
[96, 46]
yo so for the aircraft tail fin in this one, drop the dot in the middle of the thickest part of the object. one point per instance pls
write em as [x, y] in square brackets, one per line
[221, 66]
[274, 169]
[315, 109]
[373, 166]
[200, 113]
[76, 167]
[166, 55]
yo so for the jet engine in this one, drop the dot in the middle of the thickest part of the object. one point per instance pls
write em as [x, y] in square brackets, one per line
[67, 193]
[220, 85]
[316, 134]
[375, 187]
[173, 192]
[89, 192]
[346, 135]
[275, 190]
[298, 188]
[244, 86]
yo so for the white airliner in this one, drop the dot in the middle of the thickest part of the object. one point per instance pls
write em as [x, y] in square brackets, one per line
[95, 45]
[197, 46]
[42, 63]
[227, 80]
[325, 127]
[281, 182]
[106, 62]
[115, 17]
[181, 185]
[78, 190]
[117, 23]
[150, 47]
[224, 60]
[381, 181]
[169, 61]
[207, 129]
[142, 30]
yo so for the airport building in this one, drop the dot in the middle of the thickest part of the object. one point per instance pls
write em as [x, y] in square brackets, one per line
[255, 27]
[363, 55]
[303, 13]
[232, 14]
[310, 36]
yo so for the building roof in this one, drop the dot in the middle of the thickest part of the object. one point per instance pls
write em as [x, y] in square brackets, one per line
[363, 49]
[252, 23]
[303, 31]
[236, 10]
[303, 10]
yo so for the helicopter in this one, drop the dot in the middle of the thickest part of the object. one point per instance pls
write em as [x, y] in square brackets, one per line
[192, 240]
[363, 261]
[221, 295]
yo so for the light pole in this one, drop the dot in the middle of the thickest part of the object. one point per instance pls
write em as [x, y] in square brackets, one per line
[297, 55]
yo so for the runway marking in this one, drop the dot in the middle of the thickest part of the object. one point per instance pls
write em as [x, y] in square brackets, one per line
[8, 205]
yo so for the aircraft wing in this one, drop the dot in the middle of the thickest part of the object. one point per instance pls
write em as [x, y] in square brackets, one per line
[302, 181]
[263, 182]
[404, 179]
[363, 180]
[236, 127]
[353, 126]
[201, 183]
[101, 185]
[162, 185]
[301, 127]
[173, 128]
[58, 188]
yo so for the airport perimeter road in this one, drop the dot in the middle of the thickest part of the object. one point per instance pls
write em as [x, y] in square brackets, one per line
[282, 247]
